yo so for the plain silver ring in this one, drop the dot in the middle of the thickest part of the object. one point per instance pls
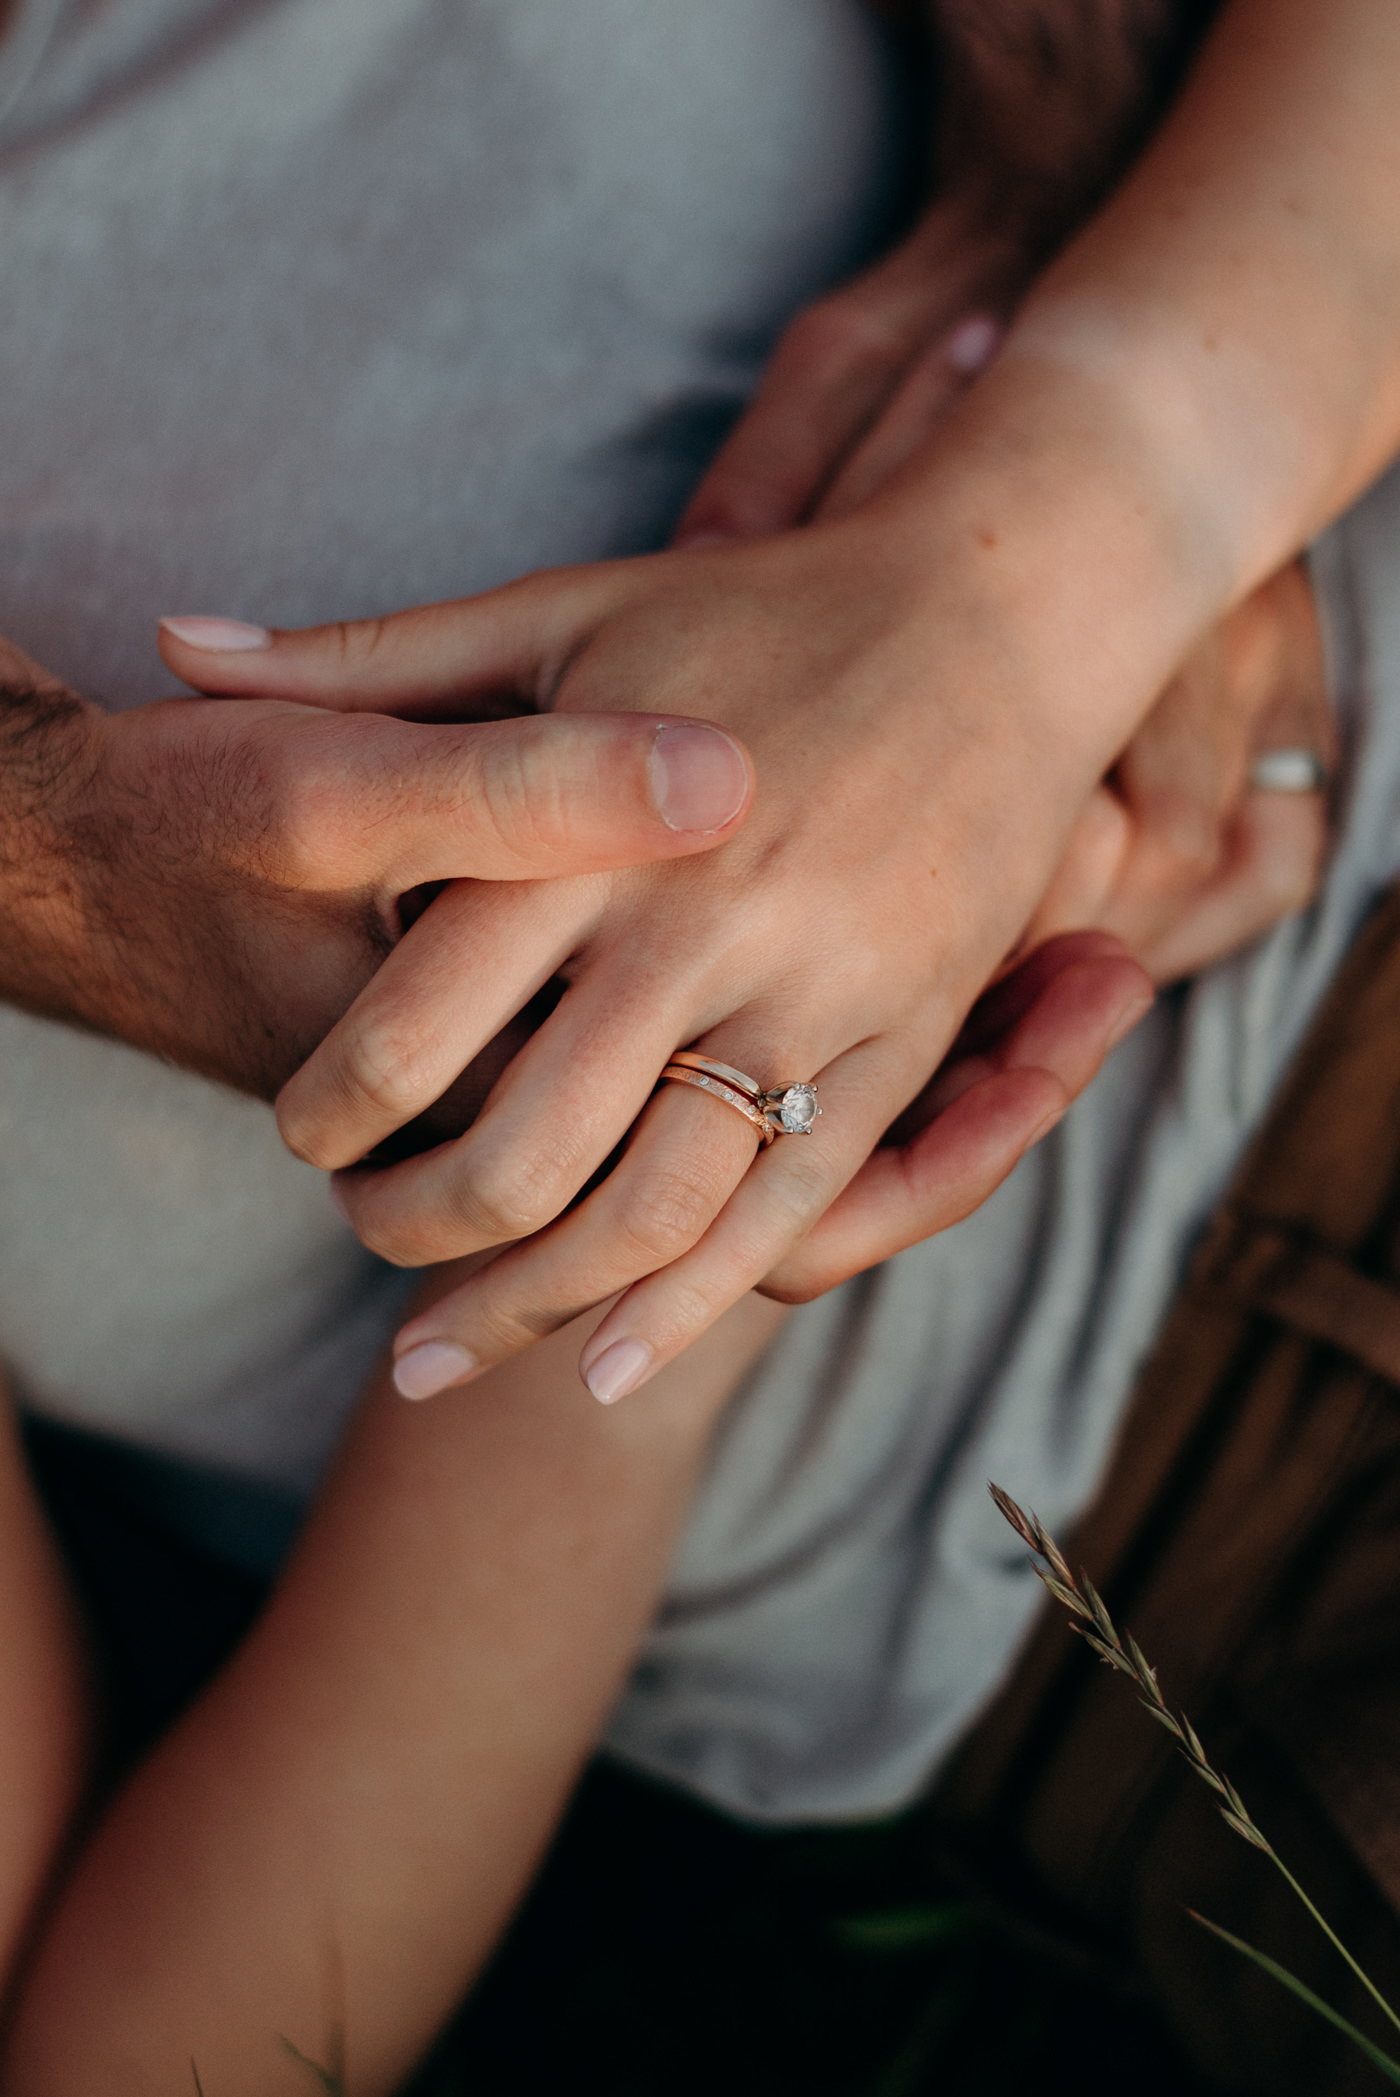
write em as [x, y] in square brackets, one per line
[1297, 771]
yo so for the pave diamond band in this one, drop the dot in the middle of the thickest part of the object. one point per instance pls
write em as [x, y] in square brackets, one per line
[729, 1094]
[779, 1110]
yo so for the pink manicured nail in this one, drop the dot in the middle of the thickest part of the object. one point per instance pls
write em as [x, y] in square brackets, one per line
[973, 344]
[618, 1370]
[426, 1370]
[220, 636]
[698, 776]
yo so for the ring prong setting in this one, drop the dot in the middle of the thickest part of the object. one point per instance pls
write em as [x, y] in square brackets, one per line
[792, 1108]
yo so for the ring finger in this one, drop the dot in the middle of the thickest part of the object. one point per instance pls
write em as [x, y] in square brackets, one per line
[651, 1217]
[775, 1205]
[682, 1163]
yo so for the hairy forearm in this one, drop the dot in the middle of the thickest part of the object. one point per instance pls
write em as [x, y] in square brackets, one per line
[46, 763]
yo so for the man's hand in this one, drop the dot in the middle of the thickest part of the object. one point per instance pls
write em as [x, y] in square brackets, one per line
[216, 883]
[1039, 107]
[1180, 853]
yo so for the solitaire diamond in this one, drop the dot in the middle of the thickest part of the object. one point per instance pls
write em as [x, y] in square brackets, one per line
[797, 1109]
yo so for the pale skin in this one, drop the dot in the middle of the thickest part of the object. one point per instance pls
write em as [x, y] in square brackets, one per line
[931, 683]
[286, 1789]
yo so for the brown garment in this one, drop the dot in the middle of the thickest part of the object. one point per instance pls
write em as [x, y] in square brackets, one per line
[1248, 1535]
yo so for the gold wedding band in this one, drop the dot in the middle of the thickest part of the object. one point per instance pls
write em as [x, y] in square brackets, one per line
[785, 1110]
[728, 1094]
[724, 1071]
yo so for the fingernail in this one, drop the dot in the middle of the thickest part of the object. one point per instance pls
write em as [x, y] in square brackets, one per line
[973, 344]
[1126, 1021]
[220, 636]
[618, 1370]
[338, 1201]
[698, 776]
[426, 1370]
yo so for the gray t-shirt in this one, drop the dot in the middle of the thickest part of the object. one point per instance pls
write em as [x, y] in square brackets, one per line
[316, 308]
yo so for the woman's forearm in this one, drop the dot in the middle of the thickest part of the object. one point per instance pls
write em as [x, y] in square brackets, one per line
[46, 1708]
[336, 1834]
[1243, 287]
[1209, 373]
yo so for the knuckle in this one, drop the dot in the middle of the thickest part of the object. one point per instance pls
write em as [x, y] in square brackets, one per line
[389, 1221]
[798, 1196]
[796, 1281]
[387, 1064]
[520, 795]
[666, 1212]
[495, 1208]
[405, 1241]
[500, 1330]
[690, 1306]
[307, 1138]
[312, 804]
[355, 642]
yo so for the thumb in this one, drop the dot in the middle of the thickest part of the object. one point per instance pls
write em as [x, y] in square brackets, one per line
[546, 796]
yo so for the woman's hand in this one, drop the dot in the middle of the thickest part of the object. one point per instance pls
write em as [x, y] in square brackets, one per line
[1176, 853]
[843, 938]
[931, 689]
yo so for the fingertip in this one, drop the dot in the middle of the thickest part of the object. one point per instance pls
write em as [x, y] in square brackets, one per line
[1080, 1016]
[618, 1370]
[973, 344]
[216, 636]
[222, 658]
[430, 1367]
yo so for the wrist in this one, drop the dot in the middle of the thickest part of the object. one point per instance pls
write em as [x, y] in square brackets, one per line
[1198, 419]
[1046, 526]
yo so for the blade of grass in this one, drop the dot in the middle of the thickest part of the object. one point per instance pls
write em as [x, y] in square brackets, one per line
[1373, 2053]
[1097, 1627]
[1331, 1935]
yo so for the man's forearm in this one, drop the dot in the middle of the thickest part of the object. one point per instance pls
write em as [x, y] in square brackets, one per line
[46, 765]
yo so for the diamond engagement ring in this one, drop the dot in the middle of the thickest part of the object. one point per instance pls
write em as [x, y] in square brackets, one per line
[782, 1110]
